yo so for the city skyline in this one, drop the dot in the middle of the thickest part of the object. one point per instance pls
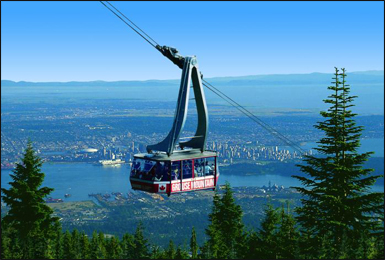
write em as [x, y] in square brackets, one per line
[83, 41]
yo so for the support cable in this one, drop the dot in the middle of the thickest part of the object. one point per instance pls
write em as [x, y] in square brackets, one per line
[252, 116]
[132, 23]
[128, 24]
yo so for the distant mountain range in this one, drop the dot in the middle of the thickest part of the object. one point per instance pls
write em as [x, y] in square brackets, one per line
[277, 92]
[358, 77]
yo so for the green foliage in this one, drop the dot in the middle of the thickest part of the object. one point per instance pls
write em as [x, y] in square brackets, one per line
[268, 234]
[226, 229]
[194, 244]
[29, 216]
[157, 253]
[76, 244]
[6, 242]
[58, 242]
[337, 205]
[181, 253]
[277, 237]
[114, 250]
[98, 251]
[253, 246]
[170, 252]
[287, 235]
[68, 252]
[127, 246]
[85, 250]
[141, 250]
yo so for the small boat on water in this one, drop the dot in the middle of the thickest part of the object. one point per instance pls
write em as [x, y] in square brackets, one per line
[52, 200]
[67, 195]
[116, 162]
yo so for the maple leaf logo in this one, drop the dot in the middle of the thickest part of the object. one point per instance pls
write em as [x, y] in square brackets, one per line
[162, 188]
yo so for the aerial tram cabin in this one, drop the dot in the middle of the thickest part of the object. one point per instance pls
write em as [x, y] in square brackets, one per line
[164, 169]
[182, 171]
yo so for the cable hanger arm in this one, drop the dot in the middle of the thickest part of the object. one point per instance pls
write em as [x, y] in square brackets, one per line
[172, 54]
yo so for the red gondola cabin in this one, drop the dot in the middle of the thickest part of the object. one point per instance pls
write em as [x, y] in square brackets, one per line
[182, 171]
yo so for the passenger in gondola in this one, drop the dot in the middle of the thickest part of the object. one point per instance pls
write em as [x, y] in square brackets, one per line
[153, 172]
[199, 168]
[166, 176]
[187, 169]
[175, 174]
[159, 170]
[148, 176]
[200, 171]
[137, 172]
[208, 169]
[166, 173]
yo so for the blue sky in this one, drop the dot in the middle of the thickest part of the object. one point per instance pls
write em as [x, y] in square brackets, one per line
[82, 41]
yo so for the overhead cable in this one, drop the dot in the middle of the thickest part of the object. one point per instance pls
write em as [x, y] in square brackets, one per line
[128, 24]
[132, 22]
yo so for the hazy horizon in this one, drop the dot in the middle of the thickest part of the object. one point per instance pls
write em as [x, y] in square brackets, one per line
[171, 79]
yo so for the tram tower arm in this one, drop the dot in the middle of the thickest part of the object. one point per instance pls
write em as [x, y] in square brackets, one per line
[172, 54]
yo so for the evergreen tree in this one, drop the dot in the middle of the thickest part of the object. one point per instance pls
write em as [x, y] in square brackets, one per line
[212, 247]
[128, 246]
[6, 252]
[94, 245]
[157, 253]
[58, 242]
[287, 235]
[337, 202]
[28, 213]
[194, 244]
[226, 229]
[268, 240]
[181, 253]
[76, 244]
[84, 243]
[170, 252]
[253, 245]
[140, 243]
[114, 250]
[102, 252]
[11, 248]
[98, 250]
[366, 248]
[379, 244]
[49, 251]
[68, 252]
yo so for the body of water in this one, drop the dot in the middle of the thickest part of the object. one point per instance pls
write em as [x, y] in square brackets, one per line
[81, 179]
